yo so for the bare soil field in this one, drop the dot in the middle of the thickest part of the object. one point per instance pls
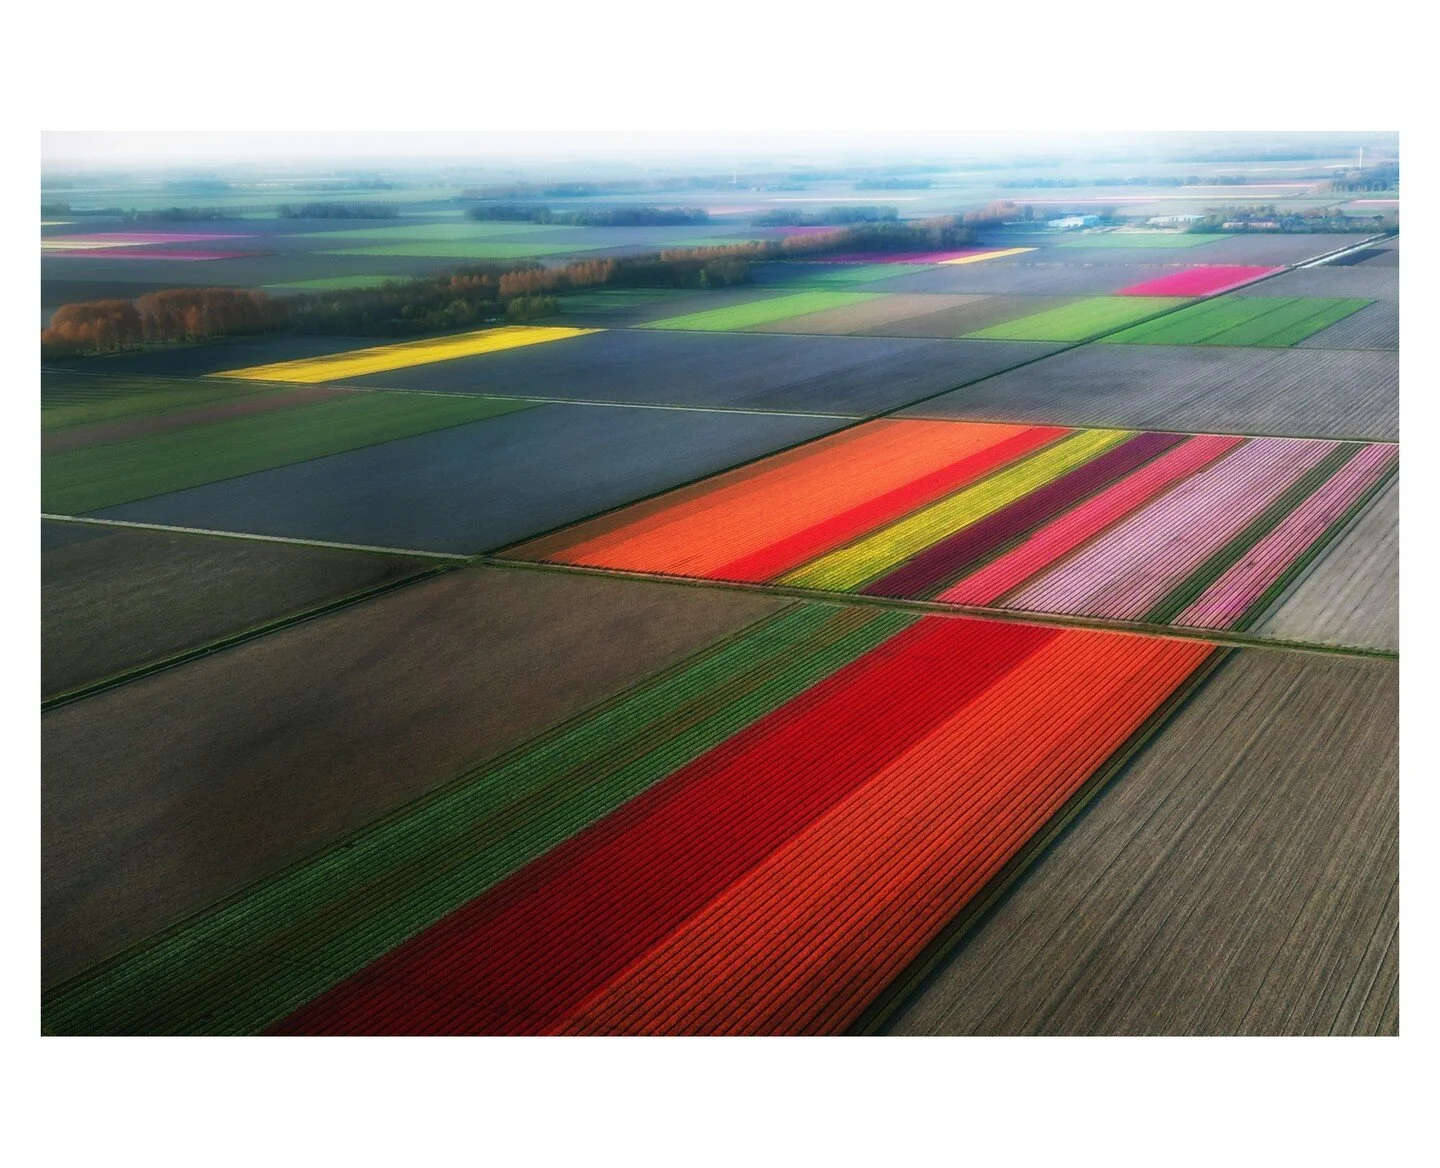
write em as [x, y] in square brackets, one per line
[113, 598]
[1352, 594]
[853, 376]
[1374, 327]
[176, 790]
[1289, 392]
[1240, 876]
[473, 487]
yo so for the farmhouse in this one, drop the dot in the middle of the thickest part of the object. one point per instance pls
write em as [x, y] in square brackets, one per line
[1173, 220]
[1076, 221]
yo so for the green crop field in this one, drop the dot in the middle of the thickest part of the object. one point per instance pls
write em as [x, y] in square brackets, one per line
[1270, 321]
[75, 400]
[1079, 321]
[829, 275]
[469, 230]
[103, 476]
[332, 283]
[1139, 239]
[464, 250]
[775, 308]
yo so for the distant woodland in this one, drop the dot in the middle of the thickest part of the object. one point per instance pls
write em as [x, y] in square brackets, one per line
[473, 295]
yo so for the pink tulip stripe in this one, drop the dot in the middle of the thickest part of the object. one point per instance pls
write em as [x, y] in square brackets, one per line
[1125, 572]
[1232, 596]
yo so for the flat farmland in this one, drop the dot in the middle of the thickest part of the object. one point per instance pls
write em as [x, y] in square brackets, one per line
[113, 599]
[833, 275]
[759, 312]
[744, 821]
[98, 476]
[473, 487]
[1298, 392]
[502, 249]
[1079, 320]
[1374, 327]
[1133, 240]
[71, 402]
[1351, 595]
[1200, 532]
[1266, 321]
[1351, 282]
[1238, 877]
[1029, 279]
[177, 790]
[854, 376]
[945, 317]
[204, 360]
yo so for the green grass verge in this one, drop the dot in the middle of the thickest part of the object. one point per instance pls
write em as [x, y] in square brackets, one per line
[773, 308]
[75, 400]
[1079, 321]
[76, 481]
[1143, 239]
[1270, 321]
[250, 961]
[463, 250]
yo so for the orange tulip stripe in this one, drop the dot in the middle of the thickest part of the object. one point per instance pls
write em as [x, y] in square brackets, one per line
[760, 840]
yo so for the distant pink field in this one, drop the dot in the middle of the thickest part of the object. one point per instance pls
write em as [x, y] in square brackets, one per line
[134, 253]
[1202, 281]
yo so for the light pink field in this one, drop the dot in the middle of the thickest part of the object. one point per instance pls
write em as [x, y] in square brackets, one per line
[131, 253]
[902, 257]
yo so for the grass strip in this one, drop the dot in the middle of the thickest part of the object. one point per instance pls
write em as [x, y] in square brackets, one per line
[1270, 321]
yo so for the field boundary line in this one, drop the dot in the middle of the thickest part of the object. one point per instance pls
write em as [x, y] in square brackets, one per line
[920, 973]
[253, 536]
[1329, 256]
[1229, 638]
[209, 648]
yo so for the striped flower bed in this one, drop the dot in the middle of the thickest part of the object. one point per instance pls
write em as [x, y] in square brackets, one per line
[760, 840]
[1157, 528]
[964, 255]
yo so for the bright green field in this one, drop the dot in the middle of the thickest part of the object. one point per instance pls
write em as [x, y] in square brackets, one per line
[1139, 239]
[333, 283]
[470, 230]
[103, 476]
[1271, 321]
[841, 275]
[74, 399]
[762, 311]
[1079, 321]
[461, 250]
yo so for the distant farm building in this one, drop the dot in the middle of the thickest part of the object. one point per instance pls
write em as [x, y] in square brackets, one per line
[1076, 221]
[1173, 220]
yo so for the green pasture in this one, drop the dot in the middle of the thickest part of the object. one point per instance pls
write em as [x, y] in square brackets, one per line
[741, 316]
[1269, 321]
[1144, 239]
[1079, 321]
[102, 476]
[841, 275]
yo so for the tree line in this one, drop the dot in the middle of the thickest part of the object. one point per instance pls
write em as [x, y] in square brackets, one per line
[473, 295]
[337, 211]
[830, 217]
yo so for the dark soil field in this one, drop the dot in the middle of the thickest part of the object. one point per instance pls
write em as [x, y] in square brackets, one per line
[1360, 283]
[1352, 594]
[201, 360]
[1239, 877]
[1289, 392]
[474, 487]
[852, 376]
[1374, 327]
[174, 791]
[114, 598]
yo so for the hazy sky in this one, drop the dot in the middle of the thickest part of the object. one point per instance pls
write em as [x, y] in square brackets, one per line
[72, 150]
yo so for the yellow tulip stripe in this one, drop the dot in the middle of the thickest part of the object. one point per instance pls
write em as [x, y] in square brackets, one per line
[989, 255]
[383, 358]
[849, 567]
